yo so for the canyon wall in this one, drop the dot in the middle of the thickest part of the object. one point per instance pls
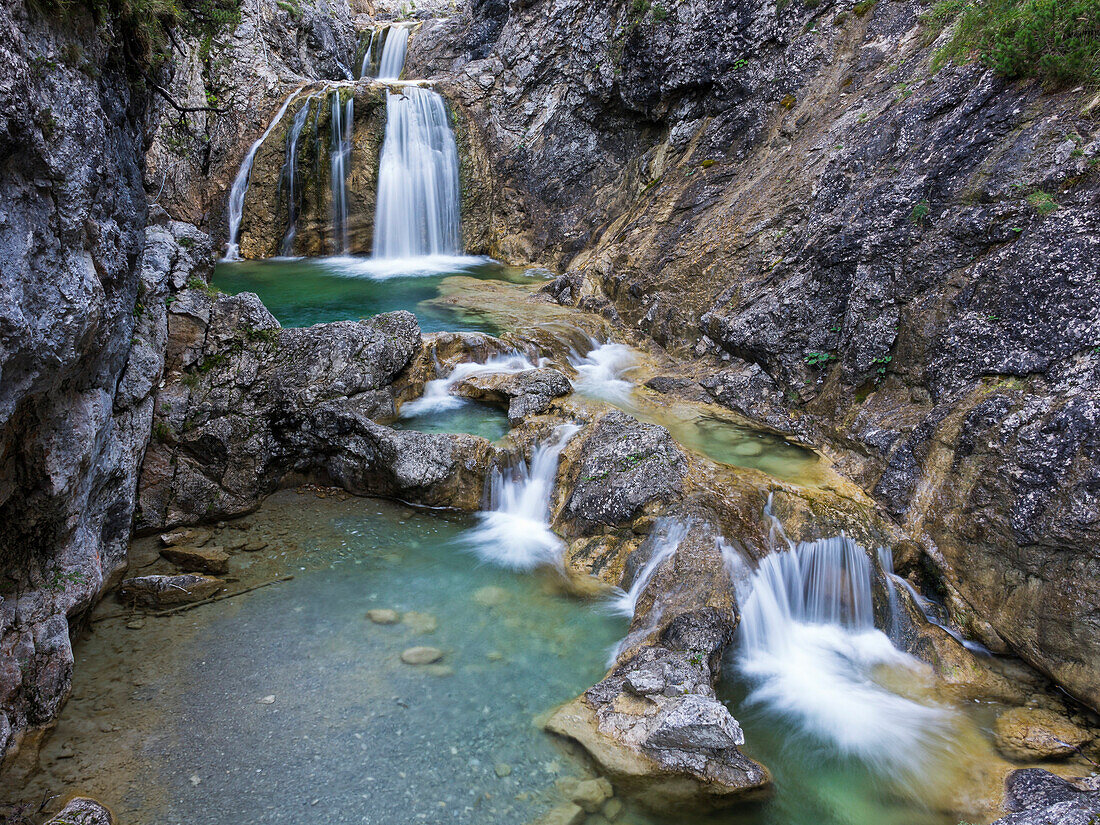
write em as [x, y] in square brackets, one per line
[897, 263]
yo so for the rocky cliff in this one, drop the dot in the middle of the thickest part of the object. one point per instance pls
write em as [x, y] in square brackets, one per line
[895, 261]
[74, 402]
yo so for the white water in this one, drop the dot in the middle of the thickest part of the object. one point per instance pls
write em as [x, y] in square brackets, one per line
[600, 373]
[290, 176]
[515, 531]
[417, 212]
[668, 535]
[393, 53]
[351, 267]
[240, 183]
[809, 648]
[437, 396]
[364, 68]
[339, 154]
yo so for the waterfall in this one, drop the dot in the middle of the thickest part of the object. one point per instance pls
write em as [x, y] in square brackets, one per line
[437, 393]
[809, 649]
[600, 372]
[339, 152]
[240, 183]
[290, 176]
[393, 53]
[667, 535]
[418, 209]
[515, 531]
[364, 69]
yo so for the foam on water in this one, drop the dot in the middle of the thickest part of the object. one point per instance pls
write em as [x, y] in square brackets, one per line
[600, 373]
[515, 531]
[810, 651]
[382, 268]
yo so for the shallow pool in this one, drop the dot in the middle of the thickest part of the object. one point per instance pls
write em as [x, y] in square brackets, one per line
[301, 292]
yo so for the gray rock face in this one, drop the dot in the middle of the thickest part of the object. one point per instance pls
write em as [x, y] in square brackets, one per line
[623, 465]
[81, 336]
[856, 245]
[247, 403]
[695, 721]
[1041, 798]
[248, 69]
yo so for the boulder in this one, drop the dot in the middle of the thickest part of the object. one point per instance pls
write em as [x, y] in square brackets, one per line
[526, 393]
[161, 591]
[1038, 797]
[620, 467]
[1032, 734]
[210, 559]
[82, 810]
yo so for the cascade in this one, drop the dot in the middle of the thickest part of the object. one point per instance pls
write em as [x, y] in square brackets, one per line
[600, 372]
[394, 47]
[240, 183]
[809, 648]
[669, 533]
[437, 392]
[515, 531]
[290, 176]
[339, 153]
[417, 212]
[364, 68]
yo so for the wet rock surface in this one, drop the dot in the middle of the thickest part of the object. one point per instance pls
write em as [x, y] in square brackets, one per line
[82, 811]
[1041, 798]
[525, 393]
[856, 257]
[246, 403]
[160, 591]
[622, 467]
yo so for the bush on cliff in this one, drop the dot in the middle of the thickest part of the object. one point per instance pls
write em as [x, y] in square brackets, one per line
[1056, 41]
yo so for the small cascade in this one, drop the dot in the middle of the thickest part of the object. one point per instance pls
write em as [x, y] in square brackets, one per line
[437, 393]
[600, 372]
[240, 183]
[394, 46]
[289, 181]
[366, 65]
[339, 154]
[668, 533]
[515, 531]
[810, 650]
[417, 212]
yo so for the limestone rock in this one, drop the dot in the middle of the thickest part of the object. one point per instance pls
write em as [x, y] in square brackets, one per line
[695, 721]
[564, 814]
[209, 559]
[526, 393]
[383, 615]
[622, 466]
[1041, 798]
[1031, 734]
[421, 655]
[82, 810]
[160, 591]
[590, 794]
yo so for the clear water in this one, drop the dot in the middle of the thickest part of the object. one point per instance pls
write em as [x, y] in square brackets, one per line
[301, 292]
[351, 734]
[466, 416]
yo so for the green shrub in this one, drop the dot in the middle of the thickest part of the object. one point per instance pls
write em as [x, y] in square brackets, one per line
[863, 7]
[1056, 41]
[1042, 203]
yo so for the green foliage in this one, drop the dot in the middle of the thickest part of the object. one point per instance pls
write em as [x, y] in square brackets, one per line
[195, 282]
[819, 360]
[659, 12]
[880, 365]
[1056, 41]
[290, 8]
[863, 7]
[1042, 202]
[920, 213]
[162, 432]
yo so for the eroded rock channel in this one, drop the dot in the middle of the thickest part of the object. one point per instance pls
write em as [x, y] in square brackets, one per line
[421, 471]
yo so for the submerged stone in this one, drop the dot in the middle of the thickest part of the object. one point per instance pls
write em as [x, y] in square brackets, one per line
[383, 615]
[1031, 734]
[421, 655]
[158, 591]
[198, 559]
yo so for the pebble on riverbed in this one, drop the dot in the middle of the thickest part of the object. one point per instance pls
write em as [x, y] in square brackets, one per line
[420, 622]
[383, 615]
[421, 655]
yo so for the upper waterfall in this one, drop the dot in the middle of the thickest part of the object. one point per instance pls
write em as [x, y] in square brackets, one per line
[417, 212]
[393, 53]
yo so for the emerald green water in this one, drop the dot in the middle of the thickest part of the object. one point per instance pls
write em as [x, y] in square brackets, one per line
[302, 292]
[469, 417]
